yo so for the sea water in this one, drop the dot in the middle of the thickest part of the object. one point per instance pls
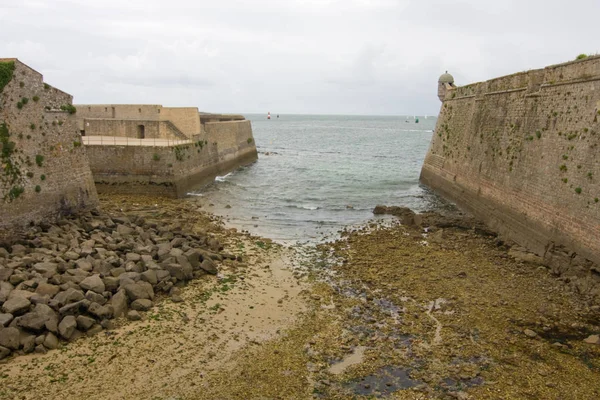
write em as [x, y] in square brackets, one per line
[318, 173]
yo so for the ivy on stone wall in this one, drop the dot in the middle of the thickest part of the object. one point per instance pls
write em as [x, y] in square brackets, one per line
[6, 73]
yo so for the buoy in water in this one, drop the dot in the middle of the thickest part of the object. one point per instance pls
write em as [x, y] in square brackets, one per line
[269, 115]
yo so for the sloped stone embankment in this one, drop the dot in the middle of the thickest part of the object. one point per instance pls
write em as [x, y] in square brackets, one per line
[73, 278]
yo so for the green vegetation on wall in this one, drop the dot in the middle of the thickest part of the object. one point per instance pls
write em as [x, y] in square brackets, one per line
[179, 152]
[10, 178]
[70, 108]
[6, 73]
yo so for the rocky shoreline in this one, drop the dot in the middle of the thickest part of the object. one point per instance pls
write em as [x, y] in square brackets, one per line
[428, 306]
[66, 280]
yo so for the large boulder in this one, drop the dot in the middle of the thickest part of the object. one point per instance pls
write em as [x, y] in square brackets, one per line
[84, 265]
[18, 250]
[214, 245]
[111, 283]
[194, 257]
[139, 290]
[25, 294]
[162, 275]
[47, 289]
[135, 257]
[150, 277]
[141, 305]
[4, 352]
[181, 272]
[209, 266]
[79, 307]
[9, 338]
[50, 341]
[93, 283]
[84, 323]
[71, 255]
[101, 312]
[16, 305]
[5, 319]
[95, 297]
[163, 250]
[134, 315]
[68, 296]
[5, 289]
[124, 230]
[406, 215]
[40, 319]
[5, 273]
[119, 303]
[46, 269]
[67, 326]
[28, 343]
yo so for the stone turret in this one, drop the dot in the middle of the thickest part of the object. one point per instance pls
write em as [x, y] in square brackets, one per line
[445, 82]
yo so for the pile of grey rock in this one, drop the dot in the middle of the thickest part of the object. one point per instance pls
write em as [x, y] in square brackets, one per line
[72, 278]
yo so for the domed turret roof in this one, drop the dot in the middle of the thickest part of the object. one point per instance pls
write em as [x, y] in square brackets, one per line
[446, 78]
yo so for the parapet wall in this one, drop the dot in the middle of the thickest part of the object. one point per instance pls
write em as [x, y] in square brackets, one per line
[521, 152]
[132, 128]
[45, 172]
[125, 120]
[172, 171]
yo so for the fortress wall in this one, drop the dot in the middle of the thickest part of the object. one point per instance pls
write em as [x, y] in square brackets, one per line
[130, 128]
[149, 112]
[233, 139]
[172, 171]
[121, 111]
[121, 128]
[186, 119]
[521, 152]
[46, 153]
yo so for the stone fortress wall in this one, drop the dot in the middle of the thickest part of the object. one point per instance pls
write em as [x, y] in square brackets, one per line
[216, 144]
[45, 172]
[173, 170]
[521, 152]
[138, 121]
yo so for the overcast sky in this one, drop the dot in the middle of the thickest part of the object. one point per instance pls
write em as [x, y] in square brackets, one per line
[289, 56]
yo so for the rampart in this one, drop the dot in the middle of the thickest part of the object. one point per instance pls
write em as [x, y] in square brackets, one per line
[45, 172]
[173, 171]
[521, 152]
[138, 121]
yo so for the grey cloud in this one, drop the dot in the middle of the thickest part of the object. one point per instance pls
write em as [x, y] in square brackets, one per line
[294, 56]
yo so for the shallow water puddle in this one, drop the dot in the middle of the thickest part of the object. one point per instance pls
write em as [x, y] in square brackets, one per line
[352, 359]
[385, 381]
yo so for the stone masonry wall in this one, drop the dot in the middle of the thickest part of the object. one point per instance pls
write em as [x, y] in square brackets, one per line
[45, 172]
[114, 119]
[121, 128]
[521, 152]
[186, 119]
[173, 171]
